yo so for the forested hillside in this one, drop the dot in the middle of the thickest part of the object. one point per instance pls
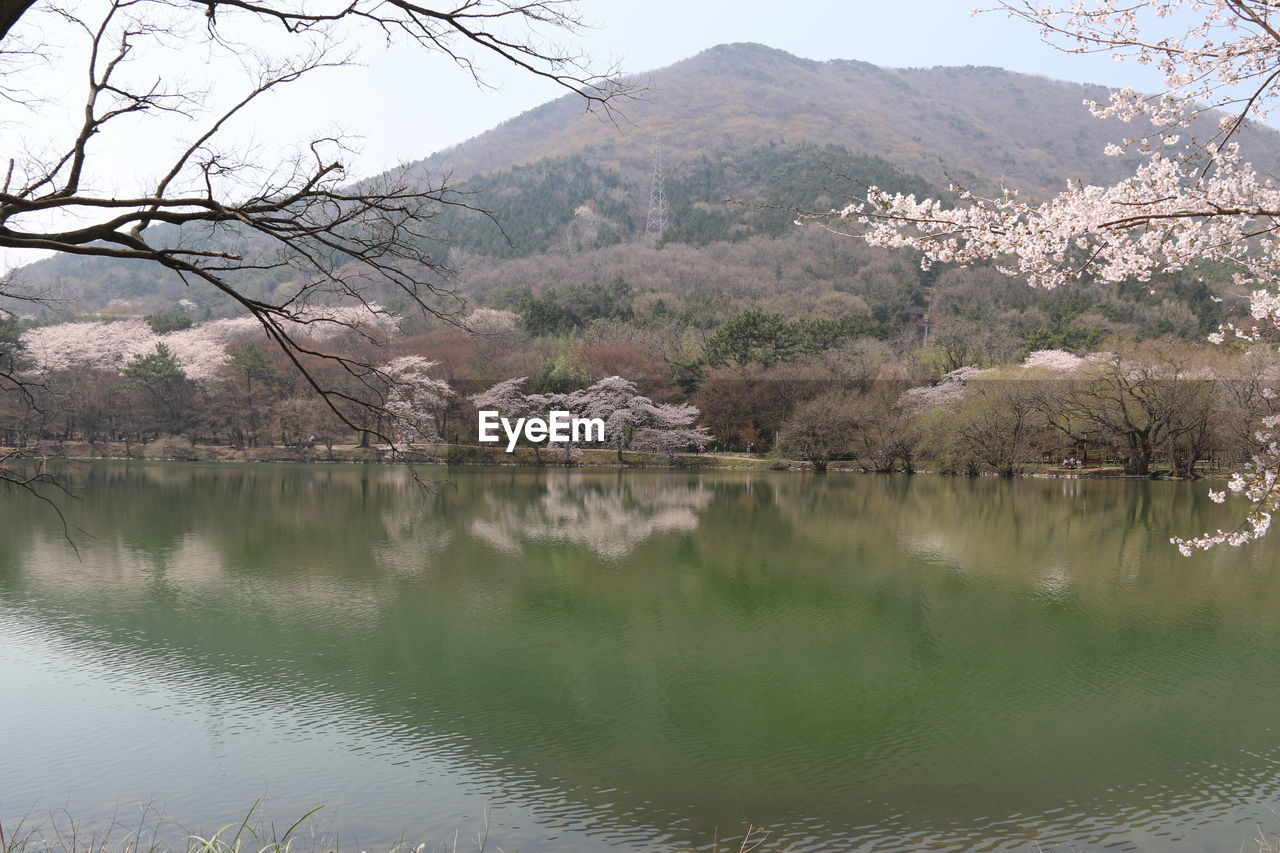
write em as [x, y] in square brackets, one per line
[558, 237]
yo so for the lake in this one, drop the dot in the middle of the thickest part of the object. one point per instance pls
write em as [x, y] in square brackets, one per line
[603, 660]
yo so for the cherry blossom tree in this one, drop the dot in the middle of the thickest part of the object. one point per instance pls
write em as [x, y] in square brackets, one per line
[415, 399]
[671, 431]
[950, 388]
[491, 321]
[509, 399]
[200, 350]
[93, 344]
[1190, 200]
[632, 419]
[1053, 361]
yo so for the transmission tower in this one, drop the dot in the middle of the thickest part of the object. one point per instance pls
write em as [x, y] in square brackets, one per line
[657, 198]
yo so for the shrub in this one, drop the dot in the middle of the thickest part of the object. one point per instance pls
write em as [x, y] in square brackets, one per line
[173, 447]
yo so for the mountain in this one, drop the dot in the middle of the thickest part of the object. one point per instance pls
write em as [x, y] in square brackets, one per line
[739, 121]
[980, 125]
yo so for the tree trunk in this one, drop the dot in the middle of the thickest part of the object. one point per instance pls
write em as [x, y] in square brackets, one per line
[1137, 462]
[1193, 459]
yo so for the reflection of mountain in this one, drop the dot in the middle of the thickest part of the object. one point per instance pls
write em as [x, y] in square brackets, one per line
[610, 519]
[905, 660]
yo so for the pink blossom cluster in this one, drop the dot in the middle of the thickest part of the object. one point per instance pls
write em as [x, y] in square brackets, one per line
[656, 427]
[200, 350]
[491, 321]
[1054, 360]
[950, 389]
[1258, 483]
[629, 416]
[1170, 215]
[415, 399]
[1208, 52]
[107, 346]
[323, 322]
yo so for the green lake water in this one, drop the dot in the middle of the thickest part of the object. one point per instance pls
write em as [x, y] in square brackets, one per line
[606, 660]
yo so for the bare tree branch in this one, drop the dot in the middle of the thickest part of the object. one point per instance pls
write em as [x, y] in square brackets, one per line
[215, 217]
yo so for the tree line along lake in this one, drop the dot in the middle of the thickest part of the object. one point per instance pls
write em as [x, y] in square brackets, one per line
[654, 659]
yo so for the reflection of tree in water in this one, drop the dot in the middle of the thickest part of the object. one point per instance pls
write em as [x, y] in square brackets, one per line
[412, 531]
[301, 539]
[609, 518]
[1093, 537]
[849, 658]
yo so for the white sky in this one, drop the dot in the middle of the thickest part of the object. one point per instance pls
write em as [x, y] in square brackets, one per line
[403, 105]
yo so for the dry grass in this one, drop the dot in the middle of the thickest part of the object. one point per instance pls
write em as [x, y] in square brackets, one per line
[58, 832]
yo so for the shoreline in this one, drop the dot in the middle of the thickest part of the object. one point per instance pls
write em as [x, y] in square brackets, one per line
[454, 455]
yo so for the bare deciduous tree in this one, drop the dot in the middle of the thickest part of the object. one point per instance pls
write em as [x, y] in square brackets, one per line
[218, 216]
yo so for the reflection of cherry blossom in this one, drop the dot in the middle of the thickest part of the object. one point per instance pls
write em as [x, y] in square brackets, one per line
[609, 520]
